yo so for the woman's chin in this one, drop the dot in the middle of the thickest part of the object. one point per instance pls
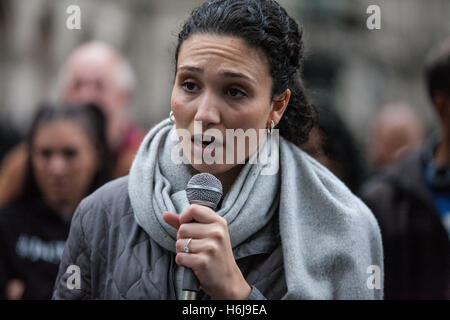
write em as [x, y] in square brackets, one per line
[214, 169]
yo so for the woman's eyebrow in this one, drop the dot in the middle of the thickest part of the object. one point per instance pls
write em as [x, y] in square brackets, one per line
[228, 74]
[191, 69]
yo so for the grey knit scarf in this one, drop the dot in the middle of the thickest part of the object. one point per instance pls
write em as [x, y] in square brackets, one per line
[329, 237]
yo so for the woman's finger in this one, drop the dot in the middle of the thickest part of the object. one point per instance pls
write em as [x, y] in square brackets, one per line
[196, 246]
[181, 244]
[15, 289]
[200, 231]
[199, 214]
[194, 261]
[172, 219]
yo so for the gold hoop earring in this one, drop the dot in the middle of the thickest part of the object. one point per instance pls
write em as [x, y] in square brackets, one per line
[171, 117]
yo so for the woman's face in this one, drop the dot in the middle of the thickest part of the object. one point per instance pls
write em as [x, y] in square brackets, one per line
[64, 163]
[225, 84]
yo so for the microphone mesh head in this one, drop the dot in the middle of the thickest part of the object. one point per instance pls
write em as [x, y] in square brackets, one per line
[205, 189]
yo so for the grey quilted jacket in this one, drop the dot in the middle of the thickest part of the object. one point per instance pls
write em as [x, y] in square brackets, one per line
[109, 256]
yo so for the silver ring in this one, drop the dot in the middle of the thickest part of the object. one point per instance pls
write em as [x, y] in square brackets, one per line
[186, 247]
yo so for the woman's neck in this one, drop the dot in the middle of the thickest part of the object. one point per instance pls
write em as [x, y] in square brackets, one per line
[227, 178]
[63, 209]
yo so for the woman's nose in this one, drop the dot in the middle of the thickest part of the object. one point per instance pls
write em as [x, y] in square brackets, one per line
[208, 110]
[57, 165]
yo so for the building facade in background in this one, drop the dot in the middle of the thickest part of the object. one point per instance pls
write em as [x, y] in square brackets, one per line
[348, 66]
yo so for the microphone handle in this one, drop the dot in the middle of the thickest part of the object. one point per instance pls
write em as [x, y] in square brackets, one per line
[190, 285]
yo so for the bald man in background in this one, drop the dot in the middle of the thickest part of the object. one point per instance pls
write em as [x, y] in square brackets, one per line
[395, 131]
[93, 73]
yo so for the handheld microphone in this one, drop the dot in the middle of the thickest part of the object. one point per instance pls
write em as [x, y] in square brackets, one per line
[206, 190]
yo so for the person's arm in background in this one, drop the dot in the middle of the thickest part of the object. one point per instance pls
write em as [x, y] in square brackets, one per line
[4, 272]
[380, 196]
[12, 174]
[74, 276]
[11, 288]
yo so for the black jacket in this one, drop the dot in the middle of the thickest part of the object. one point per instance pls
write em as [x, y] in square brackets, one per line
[32, 238]
[416, 244]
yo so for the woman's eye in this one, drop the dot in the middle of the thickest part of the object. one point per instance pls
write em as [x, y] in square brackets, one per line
[45, 153]
[70, 153]
[236, 93]
[189, 86]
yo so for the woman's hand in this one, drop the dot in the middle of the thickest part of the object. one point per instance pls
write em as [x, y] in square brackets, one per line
[15, 289]
[210, 254]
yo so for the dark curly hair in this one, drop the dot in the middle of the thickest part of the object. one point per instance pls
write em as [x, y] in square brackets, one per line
[265, 25]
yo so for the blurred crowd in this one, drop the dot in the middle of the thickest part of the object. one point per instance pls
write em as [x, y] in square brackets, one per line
[87, 137]
[74, 145]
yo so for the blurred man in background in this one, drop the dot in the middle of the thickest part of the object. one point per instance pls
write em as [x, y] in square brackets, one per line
[411, 201]
[395, 131]
[93, 73]
[96, 73]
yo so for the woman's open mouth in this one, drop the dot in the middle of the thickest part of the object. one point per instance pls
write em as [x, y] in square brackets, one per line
[205, 145]
[202, 142]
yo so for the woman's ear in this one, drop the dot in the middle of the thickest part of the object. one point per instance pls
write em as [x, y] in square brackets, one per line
[279, 104]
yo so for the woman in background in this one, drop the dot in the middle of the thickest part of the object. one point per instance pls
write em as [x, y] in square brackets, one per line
[68, 160]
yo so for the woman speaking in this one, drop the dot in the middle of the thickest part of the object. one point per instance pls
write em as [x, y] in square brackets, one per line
[294, 233]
